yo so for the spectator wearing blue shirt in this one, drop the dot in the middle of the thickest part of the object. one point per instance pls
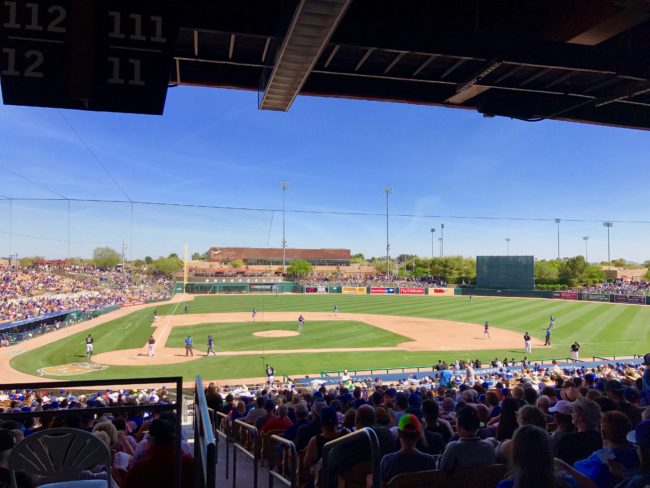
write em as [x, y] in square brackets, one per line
[614, 427]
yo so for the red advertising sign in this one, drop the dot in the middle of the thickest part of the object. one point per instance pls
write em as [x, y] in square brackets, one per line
[411, 291]
[569, 295]
[437, 290]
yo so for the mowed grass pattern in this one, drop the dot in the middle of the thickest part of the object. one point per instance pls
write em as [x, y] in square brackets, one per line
[603, 329]
[326, 334]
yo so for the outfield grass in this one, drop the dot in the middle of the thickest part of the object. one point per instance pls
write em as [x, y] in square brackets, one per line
[316, 333]
[601, 328]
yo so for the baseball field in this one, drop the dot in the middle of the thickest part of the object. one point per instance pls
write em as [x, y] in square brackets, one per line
[367, 332]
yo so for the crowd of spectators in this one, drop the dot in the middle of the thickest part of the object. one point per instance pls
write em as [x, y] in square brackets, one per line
[550, 426]
[33, 292]
[618, 287]
[142, 444]
[379, 281]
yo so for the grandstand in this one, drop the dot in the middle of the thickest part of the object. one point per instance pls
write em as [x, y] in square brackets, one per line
[533, 421]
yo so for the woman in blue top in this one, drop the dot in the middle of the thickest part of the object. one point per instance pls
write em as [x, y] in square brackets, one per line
[532, 462]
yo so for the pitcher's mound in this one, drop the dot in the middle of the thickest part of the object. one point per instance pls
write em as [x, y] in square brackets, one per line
[275, 333]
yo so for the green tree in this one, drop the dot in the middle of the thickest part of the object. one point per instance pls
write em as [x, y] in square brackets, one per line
[576, 270]
[236, 263]
[197, 256]
[620, 262]
[167, 266]
[138, 263]
[173, 255]
[546, 272]
[107, 257]
[300, 267]
[647, 274]
[357, 258]
[148, 260]
[29, 261]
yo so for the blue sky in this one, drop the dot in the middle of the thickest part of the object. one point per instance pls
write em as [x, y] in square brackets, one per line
[213, 147]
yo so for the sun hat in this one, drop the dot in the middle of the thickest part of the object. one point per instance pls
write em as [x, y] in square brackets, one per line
[409, 423]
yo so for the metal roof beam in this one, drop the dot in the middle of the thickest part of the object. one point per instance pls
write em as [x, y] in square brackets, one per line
[311, 28]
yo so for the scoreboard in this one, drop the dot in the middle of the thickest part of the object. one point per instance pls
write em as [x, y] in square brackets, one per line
[106, 55]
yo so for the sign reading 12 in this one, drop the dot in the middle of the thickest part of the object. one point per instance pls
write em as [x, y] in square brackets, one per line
[37, 22]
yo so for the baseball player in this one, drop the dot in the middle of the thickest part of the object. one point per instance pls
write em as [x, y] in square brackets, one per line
[270, 374]
[155, 315]
[575, 351]
[89, 346]
[151, 344]
[211, 346]
[188, 346]
[254, 314]
[486, 330]
[529, 347]
[551, 325]
[547, 342]
[301, 321]
[336, 310]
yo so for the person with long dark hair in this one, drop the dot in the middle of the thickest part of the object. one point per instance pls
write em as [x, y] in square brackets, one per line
[508, 419]
[532, 462]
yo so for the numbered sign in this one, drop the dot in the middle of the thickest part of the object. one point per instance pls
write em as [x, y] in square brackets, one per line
[110, 55]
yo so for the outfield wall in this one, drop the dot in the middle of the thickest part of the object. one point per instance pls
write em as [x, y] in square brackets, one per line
[241, 287]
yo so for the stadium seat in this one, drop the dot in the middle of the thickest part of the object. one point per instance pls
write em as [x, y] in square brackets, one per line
[268, 452]
[54, 453]
[479, 477]
[355, 477]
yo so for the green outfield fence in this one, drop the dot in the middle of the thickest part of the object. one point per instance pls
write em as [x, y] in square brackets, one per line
[293, 287]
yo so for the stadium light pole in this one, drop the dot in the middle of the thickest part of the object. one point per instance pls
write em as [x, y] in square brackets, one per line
[608, 225]
[284, 186]
[557, 221]
[508, 246]
[586, 239]
[387, 190]
[433, 231]
[442, 240]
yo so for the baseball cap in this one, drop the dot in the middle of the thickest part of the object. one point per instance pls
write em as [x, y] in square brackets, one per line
[409, 423]
[640, 435]
[614, 385]
[562, 407]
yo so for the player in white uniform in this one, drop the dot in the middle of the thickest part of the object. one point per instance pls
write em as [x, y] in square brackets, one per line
[151, 343]
[301, 321]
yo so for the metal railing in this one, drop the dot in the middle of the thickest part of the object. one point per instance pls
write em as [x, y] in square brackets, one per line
[400, 369]
[367, 433]
[177, 406]
[290, 453]
[223, 429]
[205, 443]
[238, 429]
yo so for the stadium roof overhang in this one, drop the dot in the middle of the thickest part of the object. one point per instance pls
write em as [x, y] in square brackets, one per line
[578, 60]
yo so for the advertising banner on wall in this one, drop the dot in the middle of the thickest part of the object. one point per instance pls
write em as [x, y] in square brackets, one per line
[629, 299]
[353, 290]
[315, 289]
[566, 295]
[262, 287]
[411, 291]
[441, 292]
[376, 290]
[595, 297]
